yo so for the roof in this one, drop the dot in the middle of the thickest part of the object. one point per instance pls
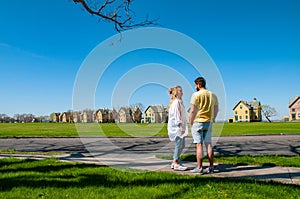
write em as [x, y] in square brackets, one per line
[254, 104]
[293, 101]
[136, 109]
[127, 110]
[160, 109]
[152, 107]
[157, 108]
[241, 102]
[249, 105]
[103, 110]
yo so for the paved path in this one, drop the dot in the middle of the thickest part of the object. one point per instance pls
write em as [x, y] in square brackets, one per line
[233, 145]
[140, 153]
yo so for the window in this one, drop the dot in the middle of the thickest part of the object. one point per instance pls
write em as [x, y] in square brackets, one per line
[293, 110]
[236, 112]
[298, 115]
[246, 113]
[241, 117]
[246, 117]
[241, 107]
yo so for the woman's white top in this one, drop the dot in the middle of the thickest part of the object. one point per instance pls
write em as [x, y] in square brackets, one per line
[176, 116]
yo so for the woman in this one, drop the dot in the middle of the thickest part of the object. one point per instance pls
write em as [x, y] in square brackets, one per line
[177, 127]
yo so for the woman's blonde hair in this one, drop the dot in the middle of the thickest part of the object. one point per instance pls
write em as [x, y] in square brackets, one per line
[173, 92]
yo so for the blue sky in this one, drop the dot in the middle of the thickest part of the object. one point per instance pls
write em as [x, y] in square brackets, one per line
[255, 45]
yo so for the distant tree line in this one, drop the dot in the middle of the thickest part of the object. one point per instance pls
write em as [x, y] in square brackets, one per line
[23, 118]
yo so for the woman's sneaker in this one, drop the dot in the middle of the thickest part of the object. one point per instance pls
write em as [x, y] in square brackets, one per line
[172, 165]
[180, 167]
[196, 170]
[209, 170]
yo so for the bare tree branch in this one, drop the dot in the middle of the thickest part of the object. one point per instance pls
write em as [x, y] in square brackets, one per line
[121, 15]
[268, 111]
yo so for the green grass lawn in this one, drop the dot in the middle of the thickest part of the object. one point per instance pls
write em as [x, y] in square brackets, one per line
[49, 178]
[265, 160]
[67, 129]
[241, 128]
[37, 129]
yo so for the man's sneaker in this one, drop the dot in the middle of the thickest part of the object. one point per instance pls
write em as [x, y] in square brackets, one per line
[180, 167]
[196, 170]
[209, 170]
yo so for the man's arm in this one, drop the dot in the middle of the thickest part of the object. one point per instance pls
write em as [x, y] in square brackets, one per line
[192, 114]
[216, 110]
[216, 107]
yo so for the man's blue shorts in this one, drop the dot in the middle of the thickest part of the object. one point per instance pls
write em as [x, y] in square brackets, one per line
[202, 132]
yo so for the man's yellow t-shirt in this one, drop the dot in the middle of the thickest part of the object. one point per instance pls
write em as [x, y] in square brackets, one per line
[205, 101]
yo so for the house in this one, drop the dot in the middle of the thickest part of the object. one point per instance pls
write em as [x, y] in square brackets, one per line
[294, 107]
[87, 116]
[54, 117]
[102, 115]
[75, 117]
[136, 115]
[247, 111]
[125, 115]
[106, 116]
[156, 114]
[65, 117]
[114, 116]
[286, 118]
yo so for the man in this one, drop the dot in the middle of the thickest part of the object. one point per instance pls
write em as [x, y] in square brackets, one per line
[203, 111]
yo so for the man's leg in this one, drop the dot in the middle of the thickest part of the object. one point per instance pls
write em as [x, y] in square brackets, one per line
[210, 154]
[199, 155]
[208, 145]
[198, 141]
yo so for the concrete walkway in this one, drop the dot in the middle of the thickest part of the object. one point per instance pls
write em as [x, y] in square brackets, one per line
[138, 154]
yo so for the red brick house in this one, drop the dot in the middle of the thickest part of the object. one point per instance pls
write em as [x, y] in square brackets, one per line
[294, 107]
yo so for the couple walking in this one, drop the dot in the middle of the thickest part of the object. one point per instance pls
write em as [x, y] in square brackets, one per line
[203, 111]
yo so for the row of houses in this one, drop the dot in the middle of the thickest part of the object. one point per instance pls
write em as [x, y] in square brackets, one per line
[245, 111]
[153, 114]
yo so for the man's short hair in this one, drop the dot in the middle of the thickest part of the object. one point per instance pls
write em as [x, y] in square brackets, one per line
[201, 81]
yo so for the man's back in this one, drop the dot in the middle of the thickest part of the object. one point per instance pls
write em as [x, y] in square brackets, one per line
[205, 101]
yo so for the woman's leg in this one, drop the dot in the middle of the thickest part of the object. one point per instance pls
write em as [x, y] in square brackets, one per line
[182, 145]
[178, 149]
